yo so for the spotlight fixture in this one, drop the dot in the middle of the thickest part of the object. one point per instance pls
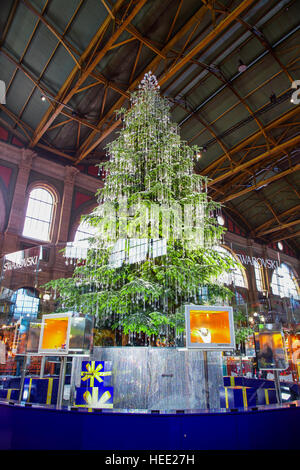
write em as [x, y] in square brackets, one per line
[43, 97]
[242, 67]
[255, 314]
[273, 98]
[280, 246]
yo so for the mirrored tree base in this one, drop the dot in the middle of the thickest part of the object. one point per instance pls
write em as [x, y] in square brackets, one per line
[160, 378]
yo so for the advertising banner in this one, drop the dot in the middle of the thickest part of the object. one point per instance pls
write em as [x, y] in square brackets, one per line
[209, 327]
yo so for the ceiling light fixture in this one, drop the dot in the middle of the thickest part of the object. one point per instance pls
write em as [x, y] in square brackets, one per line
[220, 220]
[242, 67]
[280, 246]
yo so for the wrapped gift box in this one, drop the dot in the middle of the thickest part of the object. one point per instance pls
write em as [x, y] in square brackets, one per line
[231, 381]
[258, 383]
[10, 393]
[96, 374]
[43, 391]
[237, 397]
[94, 397]
[266, 396]
[12, 382]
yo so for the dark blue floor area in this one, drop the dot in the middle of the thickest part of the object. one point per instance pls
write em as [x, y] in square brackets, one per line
[30, 428]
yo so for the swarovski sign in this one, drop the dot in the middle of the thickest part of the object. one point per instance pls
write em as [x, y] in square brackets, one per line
[257, 261]
[23, 263]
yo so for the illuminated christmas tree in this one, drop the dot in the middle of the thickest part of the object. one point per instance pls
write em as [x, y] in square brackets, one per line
[156, 229]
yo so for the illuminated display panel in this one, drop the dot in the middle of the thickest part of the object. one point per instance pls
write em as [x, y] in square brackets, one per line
[270, 350]
[209, 327]
[55, 334]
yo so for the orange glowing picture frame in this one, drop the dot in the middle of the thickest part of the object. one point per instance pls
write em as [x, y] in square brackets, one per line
[209, 327]
[55, 334]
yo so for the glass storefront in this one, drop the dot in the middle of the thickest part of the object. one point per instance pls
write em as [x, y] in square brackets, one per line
[139, 371]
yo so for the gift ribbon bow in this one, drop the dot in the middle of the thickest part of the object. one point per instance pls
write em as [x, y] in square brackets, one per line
[92, 399]
[93, 373]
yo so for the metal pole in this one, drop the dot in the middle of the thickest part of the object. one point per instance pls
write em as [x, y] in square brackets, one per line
[277, 386]
[42, 369]
[23, 373]
[206, 385]
[61, 383]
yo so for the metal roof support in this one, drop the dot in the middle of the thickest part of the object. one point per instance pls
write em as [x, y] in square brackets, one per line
[99, 55]
[175, 68]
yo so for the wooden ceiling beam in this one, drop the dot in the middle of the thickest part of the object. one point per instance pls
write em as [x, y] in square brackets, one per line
[44, 91]
[176, 67]
[270, 153]
[230, 17]
[9, 21]
[86, 72]
[280, 216]
[286, 237]
[237, 148]
[279, 227]
[25, 127]
[39, 131]
[262, 183]
[84, 149]
[53, 31]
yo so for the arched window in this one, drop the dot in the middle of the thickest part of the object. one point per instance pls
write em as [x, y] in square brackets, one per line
[39, 215]
[84, 232]
[258, 277]
[235, 276]
[78, 248]
[283, 282]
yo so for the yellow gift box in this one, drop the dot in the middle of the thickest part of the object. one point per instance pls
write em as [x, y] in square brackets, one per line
[94, 397]
[94, 373]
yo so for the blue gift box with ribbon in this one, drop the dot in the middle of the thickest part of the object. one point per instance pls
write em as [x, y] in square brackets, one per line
[94, 397]
[266, 396]
[10, 393]
[40, 390]
[237, 397]
[96, 374]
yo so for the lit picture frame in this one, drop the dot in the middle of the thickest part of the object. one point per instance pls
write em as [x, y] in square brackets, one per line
[209, 327]
[270, 348]
[55, 334]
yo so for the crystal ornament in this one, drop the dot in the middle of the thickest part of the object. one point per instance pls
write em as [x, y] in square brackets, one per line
[156, 227]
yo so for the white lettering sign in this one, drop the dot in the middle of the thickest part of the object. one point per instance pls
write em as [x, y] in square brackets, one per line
[24, 263]
[254, 261]
[295, 99]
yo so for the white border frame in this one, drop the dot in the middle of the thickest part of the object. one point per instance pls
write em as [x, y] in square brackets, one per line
[55, 352]
[209, 346]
